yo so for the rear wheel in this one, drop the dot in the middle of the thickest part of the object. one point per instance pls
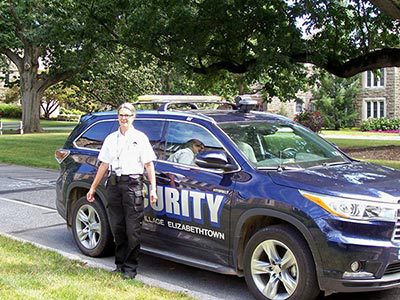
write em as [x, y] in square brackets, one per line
[279, 265]
[90, 228]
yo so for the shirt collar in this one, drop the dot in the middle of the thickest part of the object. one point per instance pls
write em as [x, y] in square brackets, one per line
[128, 133]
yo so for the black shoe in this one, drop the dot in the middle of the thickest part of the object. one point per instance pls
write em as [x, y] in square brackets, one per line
[117, 270]
[129, 275]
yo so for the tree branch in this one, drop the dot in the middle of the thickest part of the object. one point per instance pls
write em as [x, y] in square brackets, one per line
[382, 58]
[14, 57]
[389, 7]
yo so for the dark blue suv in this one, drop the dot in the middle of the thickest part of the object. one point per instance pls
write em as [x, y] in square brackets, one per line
[266, 199]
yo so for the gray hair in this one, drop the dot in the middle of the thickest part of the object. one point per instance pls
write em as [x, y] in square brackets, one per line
[128, 106]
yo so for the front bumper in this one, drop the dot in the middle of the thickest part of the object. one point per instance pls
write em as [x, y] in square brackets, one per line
[360, 285]
[344, 242]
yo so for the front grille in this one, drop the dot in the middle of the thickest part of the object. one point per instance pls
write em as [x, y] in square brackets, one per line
[392, 268]
[396, 232]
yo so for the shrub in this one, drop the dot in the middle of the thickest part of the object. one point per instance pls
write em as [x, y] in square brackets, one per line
[66, 111]
[381, 124]
[312, 120]
[10, 111]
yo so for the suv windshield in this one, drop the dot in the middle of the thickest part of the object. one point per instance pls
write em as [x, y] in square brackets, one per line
[271, 145]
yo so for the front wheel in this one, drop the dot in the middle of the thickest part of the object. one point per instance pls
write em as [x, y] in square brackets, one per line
[90, 228]
[279, 265]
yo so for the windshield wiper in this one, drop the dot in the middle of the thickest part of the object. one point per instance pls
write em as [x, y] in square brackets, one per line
[337, 163]
[280, 168]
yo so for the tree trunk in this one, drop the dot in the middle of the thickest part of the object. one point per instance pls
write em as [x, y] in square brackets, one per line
[31, 111]
[31, 90]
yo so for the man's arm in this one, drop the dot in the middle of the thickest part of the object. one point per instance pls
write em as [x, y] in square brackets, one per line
[151, 175]
[103, 168]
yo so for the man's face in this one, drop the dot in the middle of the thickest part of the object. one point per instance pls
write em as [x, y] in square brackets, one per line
[125, 118]
[197, 148]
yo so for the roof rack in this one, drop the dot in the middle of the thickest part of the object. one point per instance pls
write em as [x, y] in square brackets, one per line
[190, 100]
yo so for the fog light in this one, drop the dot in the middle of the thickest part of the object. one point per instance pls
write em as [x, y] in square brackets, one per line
[355, 266]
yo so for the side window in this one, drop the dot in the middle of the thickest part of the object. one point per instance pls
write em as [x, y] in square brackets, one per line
[94, 137]
[153, 129]
[185, 140]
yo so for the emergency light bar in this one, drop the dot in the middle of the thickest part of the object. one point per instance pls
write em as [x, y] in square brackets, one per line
[178, 98]
[190, 100]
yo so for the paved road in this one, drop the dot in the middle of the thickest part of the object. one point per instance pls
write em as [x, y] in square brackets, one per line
[27, 212]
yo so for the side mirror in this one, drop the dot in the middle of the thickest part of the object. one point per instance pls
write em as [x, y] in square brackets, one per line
[214, 159]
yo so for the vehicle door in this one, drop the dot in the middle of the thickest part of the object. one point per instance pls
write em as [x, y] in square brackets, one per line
[191, 216]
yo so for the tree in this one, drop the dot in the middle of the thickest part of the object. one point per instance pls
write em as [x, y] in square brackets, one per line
[334, 98]
[118, 77]
[53, 97]
[262, 41]
[57, 34]
[267, 38]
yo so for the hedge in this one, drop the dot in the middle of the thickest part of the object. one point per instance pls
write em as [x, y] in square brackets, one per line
[382, 124]
[10, 111]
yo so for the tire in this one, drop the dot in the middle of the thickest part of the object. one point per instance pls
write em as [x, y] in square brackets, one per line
[267, 278]
[90, 228]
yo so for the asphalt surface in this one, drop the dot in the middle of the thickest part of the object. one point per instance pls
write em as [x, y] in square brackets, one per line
[27, 213]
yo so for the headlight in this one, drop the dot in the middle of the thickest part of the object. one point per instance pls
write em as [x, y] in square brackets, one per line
[354, 209]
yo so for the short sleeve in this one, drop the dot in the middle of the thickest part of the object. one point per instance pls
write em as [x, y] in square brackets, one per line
[105, 155]
[147, 154]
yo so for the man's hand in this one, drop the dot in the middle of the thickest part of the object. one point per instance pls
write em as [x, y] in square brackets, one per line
[90, 195]
[153, 197]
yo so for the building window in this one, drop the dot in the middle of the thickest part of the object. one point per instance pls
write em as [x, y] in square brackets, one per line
[299, 106]
[375, 79]
[374, 108]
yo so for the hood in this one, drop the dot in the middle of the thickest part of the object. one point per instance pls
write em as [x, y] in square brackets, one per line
[350, 180]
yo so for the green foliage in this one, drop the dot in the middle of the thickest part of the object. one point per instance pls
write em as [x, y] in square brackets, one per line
[334, 98]
[12, 95]
[73, 111]
[310, 119]
[380, 124]
[262, 39]
[117, 78]
[10, 111]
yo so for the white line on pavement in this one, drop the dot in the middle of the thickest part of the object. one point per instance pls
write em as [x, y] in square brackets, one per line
[27, 204]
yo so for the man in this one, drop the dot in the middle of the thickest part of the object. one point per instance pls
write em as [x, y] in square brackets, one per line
[125, 154]
[187, 155]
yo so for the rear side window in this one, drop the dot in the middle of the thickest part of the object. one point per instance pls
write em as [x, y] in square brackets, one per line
[94, 137]
[152, 128]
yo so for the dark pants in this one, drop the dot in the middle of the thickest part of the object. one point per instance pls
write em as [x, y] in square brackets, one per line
[125, 210]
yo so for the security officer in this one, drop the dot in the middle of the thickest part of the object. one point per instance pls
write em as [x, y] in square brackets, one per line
[124, 154]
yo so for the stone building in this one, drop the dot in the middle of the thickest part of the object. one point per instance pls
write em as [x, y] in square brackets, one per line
[288, 109]
[379, 95]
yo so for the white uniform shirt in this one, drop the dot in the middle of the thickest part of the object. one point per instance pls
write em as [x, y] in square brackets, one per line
[127, 153]
[183, 156]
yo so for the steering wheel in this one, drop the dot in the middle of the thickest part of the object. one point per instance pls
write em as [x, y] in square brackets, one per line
[288, 153]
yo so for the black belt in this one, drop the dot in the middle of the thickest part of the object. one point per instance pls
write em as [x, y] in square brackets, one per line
[126, 177]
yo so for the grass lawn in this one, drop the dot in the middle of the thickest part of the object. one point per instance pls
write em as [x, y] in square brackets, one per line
[28, 272]
[36, 150]
[360, 143]
[356, 131]
[48, 123]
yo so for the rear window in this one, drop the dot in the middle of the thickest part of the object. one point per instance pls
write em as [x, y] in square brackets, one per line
[94, 137]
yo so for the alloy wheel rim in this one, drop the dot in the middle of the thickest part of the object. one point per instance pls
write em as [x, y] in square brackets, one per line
[274, 269]
[88, 226]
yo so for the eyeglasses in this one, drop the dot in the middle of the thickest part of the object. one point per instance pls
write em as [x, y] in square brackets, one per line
[125, 116]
